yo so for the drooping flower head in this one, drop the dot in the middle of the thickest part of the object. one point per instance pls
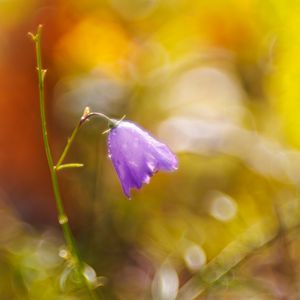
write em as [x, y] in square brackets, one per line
[136, 155]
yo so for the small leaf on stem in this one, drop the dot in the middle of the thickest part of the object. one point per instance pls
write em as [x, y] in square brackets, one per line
[67, 166]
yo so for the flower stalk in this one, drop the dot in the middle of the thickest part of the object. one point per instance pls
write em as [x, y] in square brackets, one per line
[62, 217]
[59, 164]
[87, 114]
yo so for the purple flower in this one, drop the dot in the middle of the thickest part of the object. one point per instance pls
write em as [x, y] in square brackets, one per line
[136, 155]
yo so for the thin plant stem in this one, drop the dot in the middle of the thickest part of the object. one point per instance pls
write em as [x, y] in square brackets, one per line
[67, 147]
[85, 117]
[105, 117]
[62, 217]
[68, 166]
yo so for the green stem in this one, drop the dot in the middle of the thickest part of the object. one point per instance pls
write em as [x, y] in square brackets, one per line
[86, 116]
[68, 166]
[62, 217]
[110, 121]
[67, 147]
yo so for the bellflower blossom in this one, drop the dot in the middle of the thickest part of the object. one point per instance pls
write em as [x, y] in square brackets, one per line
[136, 155]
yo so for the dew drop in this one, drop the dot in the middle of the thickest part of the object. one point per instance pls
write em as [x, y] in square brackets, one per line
[90, 274]
[63, 253]
[151, 166]
[146, 179]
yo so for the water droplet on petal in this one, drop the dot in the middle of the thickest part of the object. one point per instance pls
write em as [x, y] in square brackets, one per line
[146, 179]
[151, 166]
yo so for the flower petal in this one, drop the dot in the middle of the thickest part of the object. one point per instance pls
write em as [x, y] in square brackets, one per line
[136, 155]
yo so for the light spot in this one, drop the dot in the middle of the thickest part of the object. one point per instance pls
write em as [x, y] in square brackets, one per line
[165, 283]
[121, 171]
[90, 274]
[63, 219]
[223, 207]
[133, 163]
[151, 166]
[146, 179]
[194, 257]
[194, 94]
[64, 253]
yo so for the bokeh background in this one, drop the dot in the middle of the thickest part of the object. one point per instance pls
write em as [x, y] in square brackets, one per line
[219, 82]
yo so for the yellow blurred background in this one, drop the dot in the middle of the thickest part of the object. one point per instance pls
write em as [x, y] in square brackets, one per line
[218, 81]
